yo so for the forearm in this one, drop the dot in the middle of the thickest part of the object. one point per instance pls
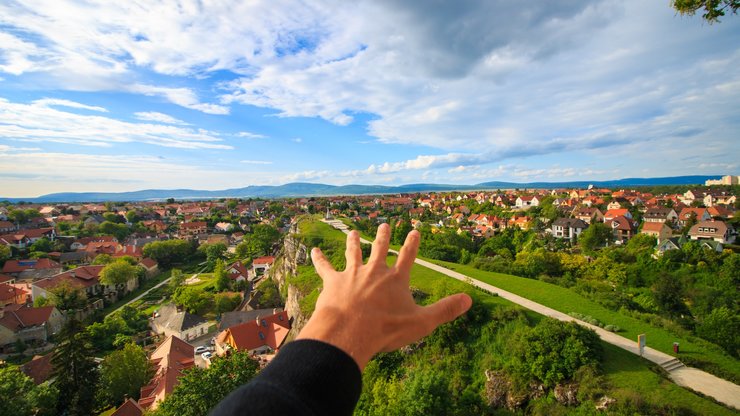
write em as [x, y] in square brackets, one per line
[307, 377]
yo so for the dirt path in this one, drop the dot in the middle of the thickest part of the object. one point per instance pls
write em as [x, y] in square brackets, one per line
[721, 390]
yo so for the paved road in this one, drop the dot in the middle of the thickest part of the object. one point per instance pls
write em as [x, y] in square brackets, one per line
[721, 390]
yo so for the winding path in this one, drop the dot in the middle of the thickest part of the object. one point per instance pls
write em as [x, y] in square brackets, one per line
[719, 389]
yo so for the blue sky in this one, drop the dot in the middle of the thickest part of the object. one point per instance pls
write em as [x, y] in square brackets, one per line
[97, 96]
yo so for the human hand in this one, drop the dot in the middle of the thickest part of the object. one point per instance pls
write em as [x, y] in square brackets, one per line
[368, 308]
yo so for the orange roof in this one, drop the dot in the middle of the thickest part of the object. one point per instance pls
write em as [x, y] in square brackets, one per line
[19, 317]
[129, 408]
[268, 331]
[170, 359]
[264, 260]
[654, 227]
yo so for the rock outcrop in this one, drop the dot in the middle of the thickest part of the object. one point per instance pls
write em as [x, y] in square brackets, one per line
[292, 254]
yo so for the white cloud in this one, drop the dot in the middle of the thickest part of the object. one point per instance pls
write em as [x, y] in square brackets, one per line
[50, 102]
[38, 123]
[184, 97]
[296, 140]
[158, 117]
[256, 162]
[249, 135]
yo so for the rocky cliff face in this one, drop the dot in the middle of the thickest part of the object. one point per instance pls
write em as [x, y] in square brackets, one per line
[292, 255]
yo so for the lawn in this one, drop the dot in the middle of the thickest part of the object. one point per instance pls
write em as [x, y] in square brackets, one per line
[146, 285]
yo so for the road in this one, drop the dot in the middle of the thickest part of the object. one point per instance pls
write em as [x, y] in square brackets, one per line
[719, 389]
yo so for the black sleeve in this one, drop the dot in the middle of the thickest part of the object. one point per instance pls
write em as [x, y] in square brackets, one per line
[306, 377]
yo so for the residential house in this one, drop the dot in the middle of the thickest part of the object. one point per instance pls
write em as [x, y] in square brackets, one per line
[527, 201]
[129, 408]
[521, 222]
[29, 324]
[699, 214]
[223, 227]
[151, 267]
[81, 243]
[30, 269]
[12, 295]
[193, 228]
[568, 227]
[261, 265]
[4, 278]
[660, 215]
[234, 318]
[39, 369]
[238, 272]
[588, 214]
[614, 213]
[155, 225]
[712, 198]
[659, 230]
[170, 360]
[624, 228]
[6, 227]
[262, 335]
[721, 211]
[718, 231]
[85, 278]
[181, 324]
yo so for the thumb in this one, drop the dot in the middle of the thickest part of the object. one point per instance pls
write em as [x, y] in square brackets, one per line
[447, 309]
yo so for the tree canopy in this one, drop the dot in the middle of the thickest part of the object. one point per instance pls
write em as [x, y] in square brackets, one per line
[712, 9]
[123, 373]
[118, 272]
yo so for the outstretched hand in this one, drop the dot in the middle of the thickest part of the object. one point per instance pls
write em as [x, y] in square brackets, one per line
[368, 308]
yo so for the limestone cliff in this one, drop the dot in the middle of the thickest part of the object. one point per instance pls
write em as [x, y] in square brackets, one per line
[292, 254]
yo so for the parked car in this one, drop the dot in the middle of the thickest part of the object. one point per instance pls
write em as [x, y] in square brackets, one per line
[200, 350]
[206, 355]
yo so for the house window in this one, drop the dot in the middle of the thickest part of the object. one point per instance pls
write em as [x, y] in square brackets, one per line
[264, 323]
[262, 336]
[280, 317]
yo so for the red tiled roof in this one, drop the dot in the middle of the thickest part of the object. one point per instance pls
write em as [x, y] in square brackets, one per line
[264, 260]
[129, 408]
[268, 331]
[171, 358]
[81, 277]
[39, 369]
[17, 266]
[148, 263]
[654, 227]
[17, 318]
[11, 293]
[5, 278]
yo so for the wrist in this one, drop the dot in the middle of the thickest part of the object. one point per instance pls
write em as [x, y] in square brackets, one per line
[335, 328]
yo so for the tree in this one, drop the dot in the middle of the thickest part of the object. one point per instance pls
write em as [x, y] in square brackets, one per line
[222, 279]
[21, 397]
[131, 216]
[123, 373]
[553, 351]
[226, 303]
[168, 252]
[212, 252]
[259, 242]
[5, 253]
[74, 370]
[668, 295]
[67, 298]
[192, 299]
[596, 235]
[117, 273]
[199, 390]
[177, 278]
[713, 9]
[120, 231]
[42, 244]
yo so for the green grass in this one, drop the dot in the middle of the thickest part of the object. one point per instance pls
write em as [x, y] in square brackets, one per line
[146, 285]
[565, 300]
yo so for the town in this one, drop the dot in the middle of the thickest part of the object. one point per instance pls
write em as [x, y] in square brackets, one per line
[174, 285]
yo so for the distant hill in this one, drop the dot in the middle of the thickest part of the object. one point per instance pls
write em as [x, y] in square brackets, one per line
[301, 189]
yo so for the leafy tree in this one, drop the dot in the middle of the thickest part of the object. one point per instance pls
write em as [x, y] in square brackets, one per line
[21, 397]
[120, 231]
[212, 252]
[168, 252]
[67, 298]
[199, 390]
[553, 351]
[75, 372]
[222, 279]
[226, 303]
[118, 272]
[177, 278]
[22, 216]
[400, 232]
[595, 236]
[259, 242]
[713, 9]
[132, 216]
[668, 294]
[102, 259]
[5, 253]
[192, 299]
[42, 244]
[114, 218]
[123, 373]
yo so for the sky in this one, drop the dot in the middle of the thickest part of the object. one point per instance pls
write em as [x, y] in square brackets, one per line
[143, 94]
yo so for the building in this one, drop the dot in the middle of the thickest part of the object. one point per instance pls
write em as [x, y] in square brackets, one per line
[527, 201]
[29, 324]
[659, 230]
[171, 358]
[181, 324]
[725, 180]
[588, 214]
[568, 227]
[717, 231]
[687, 214]
[12, 295]
[262, 335]
[624, 228]
[31, 268]
[261, 265]
[660, 215]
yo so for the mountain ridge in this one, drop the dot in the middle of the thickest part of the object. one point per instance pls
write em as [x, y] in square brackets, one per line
[306, 189]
